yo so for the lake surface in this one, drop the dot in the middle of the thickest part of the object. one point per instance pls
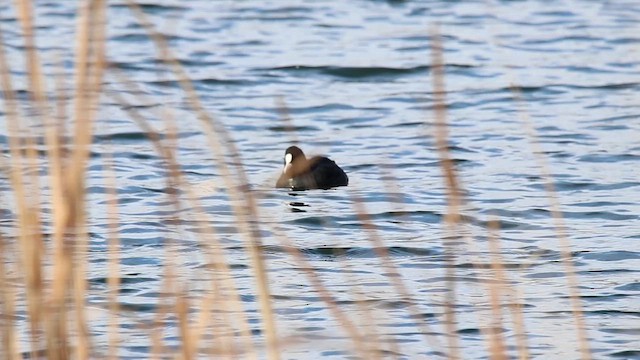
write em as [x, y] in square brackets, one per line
[356, 79]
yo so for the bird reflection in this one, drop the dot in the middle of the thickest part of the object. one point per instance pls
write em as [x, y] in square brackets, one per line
[297, 206]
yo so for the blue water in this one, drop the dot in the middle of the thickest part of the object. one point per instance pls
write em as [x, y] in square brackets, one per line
[356, 80]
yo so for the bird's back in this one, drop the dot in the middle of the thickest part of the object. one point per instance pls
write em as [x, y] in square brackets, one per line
[326, 173]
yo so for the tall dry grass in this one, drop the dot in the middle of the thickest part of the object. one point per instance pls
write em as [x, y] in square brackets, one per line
[51, 271]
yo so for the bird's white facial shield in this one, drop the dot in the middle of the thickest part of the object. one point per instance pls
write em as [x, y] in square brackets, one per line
[287, 163]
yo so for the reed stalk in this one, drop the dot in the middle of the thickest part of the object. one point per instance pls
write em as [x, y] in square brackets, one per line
[209, 239]
[497, 348]
[395, 278]
[29, 236]
[359, 342]
[216, 136]
[113, 258]
[454, 202]
[559, 224]
[8, 333]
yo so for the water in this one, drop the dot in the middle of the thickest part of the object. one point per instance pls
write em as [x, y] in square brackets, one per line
[355, 78]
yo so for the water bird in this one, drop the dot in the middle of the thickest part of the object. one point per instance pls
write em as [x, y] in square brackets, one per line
[318, 172]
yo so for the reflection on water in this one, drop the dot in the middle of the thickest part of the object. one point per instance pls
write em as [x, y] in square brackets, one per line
[297, 206]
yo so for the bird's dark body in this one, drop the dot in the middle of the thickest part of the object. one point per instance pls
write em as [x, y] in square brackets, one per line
[318, 172]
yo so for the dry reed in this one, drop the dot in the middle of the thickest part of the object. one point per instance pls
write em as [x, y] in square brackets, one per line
[214, 133]
[559, 227]
[452, 218]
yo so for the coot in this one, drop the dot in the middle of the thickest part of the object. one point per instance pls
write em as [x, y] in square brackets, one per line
[300, 173]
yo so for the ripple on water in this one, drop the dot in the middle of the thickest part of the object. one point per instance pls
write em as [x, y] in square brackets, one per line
[355, 77]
